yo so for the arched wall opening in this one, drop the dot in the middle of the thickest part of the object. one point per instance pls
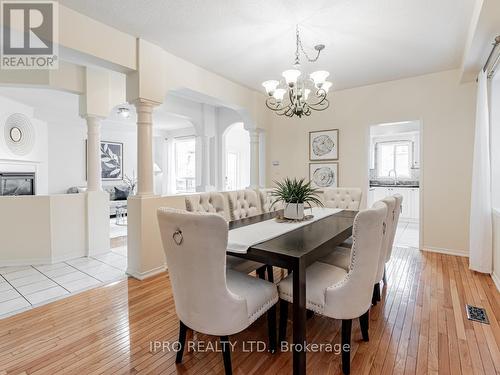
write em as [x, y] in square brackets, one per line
[236, 157]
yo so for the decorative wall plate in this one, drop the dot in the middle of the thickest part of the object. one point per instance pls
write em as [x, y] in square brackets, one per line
[19, 134]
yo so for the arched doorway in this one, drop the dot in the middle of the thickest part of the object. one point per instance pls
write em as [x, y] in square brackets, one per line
[236, 157]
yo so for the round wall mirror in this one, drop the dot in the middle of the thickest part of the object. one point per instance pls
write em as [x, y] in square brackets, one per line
[16, 135]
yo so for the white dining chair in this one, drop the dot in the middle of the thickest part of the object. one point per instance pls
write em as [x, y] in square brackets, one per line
[213, 202]
[335, 293]
[341, 256]
[210, 202]
[208, 297]
[267, 199]
[397, 214]
[345, 198]
[243, 204]
[390, 202]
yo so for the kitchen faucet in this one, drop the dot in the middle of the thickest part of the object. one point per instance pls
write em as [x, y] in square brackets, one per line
[395, 176]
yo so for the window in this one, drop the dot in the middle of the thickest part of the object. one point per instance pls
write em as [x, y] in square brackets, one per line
[185, 165]
[393, 157]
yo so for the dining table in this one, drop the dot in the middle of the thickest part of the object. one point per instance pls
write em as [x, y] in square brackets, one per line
[294, 250]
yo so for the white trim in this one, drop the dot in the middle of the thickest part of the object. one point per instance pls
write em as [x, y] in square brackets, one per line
[26, 262]
[496, 211]
[65, 257]
[145, 275]
[48, 260]
[460, 253]
[496, 280]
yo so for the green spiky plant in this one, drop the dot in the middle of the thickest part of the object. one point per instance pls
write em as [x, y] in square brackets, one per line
[295, 191]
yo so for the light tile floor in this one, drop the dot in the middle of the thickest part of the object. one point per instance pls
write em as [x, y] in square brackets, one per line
[25, 287]
[407, 234]
[116, 230]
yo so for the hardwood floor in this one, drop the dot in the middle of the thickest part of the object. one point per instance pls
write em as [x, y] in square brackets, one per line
[420, 327]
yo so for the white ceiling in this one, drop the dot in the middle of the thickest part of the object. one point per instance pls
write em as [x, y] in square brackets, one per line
[249, 41]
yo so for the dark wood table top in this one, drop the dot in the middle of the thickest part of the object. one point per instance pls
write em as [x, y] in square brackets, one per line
[301, 241]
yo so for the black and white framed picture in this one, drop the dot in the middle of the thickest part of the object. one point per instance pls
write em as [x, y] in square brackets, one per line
[324, 145]
[324, 175]
[111, 161]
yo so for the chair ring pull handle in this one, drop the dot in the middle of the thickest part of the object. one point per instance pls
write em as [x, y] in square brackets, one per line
[177, 237]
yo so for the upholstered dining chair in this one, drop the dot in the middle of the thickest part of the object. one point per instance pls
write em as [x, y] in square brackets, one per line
[243, 204]
[345, 198]
[341, 256]
[397, 213]
[213, 202]
[267, 199]
[389, 228]
[335, 293]
[208, 297]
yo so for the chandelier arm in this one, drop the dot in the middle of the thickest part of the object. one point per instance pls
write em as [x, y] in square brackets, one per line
[322, 98]
[274, 106]
[321, 107]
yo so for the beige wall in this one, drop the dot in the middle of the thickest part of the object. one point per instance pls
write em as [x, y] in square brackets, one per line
[45, 229]
[446, 110]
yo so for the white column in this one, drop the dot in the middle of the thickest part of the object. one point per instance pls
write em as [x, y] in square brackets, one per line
[145, 185]
[93, 153]
[254, 158]
[203, 158]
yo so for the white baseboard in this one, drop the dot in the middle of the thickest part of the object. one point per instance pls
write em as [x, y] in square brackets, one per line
[145, 275]
[460, 253]
[65, 257]
[26, 262]
[46, 260]
[99, 252]
[496, 280]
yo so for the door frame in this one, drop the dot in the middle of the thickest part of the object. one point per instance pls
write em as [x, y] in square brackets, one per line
[420, 121]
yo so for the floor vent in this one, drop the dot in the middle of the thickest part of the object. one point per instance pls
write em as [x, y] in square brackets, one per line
[477, 314]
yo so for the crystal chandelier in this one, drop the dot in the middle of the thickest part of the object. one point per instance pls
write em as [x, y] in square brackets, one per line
[296, 95]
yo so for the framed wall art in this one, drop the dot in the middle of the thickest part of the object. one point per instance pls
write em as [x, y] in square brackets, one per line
[324, 145]
[324, 175]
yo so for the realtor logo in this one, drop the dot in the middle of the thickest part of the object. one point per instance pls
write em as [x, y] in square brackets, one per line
[29, 35]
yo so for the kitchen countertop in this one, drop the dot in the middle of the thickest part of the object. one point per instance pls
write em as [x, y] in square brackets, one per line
[395, 186]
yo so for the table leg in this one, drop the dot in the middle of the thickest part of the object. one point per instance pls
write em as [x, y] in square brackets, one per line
[299, 317]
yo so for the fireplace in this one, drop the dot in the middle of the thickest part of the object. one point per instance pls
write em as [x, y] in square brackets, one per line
[17, 183]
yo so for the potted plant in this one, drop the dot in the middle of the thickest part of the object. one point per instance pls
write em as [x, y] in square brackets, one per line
[295, 194]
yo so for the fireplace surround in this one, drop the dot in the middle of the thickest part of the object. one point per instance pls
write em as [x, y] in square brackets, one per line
[13, 184]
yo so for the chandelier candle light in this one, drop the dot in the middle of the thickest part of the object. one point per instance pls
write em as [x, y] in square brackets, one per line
[293, 96]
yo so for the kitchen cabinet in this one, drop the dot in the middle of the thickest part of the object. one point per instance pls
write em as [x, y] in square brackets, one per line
[411, 200]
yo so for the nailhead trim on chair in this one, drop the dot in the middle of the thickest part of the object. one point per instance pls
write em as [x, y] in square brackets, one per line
[261, 310]
[310, 305]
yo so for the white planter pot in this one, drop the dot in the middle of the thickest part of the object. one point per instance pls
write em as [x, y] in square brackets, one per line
[294, 211]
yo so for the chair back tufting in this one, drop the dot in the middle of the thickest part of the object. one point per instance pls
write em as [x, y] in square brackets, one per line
[243, 203]
[206, 202]
[344, 198]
